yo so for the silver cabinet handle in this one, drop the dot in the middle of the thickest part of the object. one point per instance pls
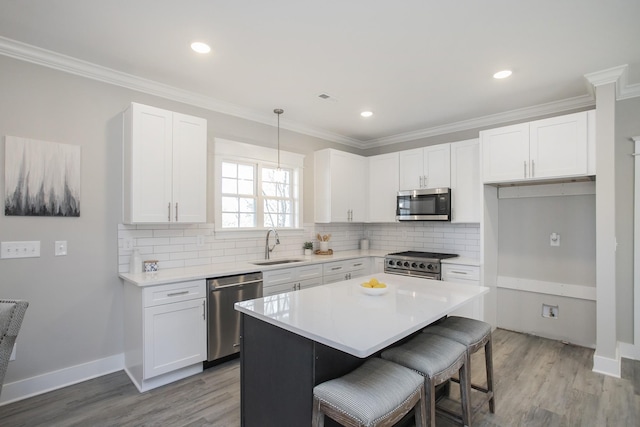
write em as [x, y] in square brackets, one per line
[174, 294]
[426, 181]
[420, 177]
[176, 211]
[336, 268]
[169, 211]
[204, 310]
[459, 272]
[533, 168]
[357, 265]
[525, 169]
[236, 345]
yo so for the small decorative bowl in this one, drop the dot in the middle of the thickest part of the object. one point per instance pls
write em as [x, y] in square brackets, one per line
[374, 291]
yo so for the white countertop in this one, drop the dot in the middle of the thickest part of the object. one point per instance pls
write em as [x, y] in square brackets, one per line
[341, 316]
[172, 275]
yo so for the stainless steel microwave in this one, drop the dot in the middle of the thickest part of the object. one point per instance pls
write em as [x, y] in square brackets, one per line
[432, 204]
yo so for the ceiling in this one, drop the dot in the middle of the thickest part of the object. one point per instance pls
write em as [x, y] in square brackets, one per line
[422, 66]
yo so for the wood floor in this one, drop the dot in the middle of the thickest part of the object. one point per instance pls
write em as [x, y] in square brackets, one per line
[538, 382]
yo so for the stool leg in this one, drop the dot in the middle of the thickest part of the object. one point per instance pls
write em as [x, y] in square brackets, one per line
[430, 400]
[465, 392]
[488, 358]
[317, 417]
[421, 409]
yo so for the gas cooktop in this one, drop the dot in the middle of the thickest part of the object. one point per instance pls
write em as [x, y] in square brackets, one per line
[415, 263]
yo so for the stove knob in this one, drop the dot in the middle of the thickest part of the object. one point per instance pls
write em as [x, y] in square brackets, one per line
[422, 266]
[399, 263]
[429, 266]
[390, 262]
[406, 264]
[414, 265]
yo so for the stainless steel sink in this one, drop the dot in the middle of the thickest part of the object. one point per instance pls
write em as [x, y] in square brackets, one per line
[277, 261]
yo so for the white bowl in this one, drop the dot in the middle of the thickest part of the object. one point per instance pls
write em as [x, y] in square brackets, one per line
[374, 291]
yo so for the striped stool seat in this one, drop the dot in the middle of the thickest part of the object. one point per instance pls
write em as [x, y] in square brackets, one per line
[437, 359]
[474, 335]
[378, 393]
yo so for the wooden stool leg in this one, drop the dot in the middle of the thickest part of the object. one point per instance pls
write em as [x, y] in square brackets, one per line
[430, 396]
[488, 358]
[465, 393]
[317, 417]
[421, 409]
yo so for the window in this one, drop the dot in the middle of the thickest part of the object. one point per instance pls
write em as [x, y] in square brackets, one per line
[251, 192]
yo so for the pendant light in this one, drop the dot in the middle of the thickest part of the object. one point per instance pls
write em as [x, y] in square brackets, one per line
[278, 111]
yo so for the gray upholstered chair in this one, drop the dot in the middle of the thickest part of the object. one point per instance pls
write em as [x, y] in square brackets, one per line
[11, 315]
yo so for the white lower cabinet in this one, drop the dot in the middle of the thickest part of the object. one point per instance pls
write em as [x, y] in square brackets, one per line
[470, 275]
[165, 332]
[291, 279]
[344, 270]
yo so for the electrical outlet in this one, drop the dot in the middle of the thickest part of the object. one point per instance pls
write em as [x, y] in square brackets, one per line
[554, 239]
[200, 240]
[550, 311]
[128, 244]
[61, 248]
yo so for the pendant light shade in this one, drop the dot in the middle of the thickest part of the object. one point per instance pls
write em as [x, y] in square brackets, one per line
[278, 111]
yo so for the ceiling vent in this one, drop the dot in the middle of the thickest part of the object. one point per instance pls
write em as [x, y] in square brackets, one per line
[326, 96]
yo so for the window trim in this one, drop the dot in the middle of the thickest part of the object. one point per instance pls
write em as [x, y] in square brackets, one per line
[232, 151]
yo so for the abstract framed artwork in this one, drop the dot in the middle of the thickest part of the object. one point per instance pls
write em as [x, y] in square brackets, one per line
[41, 178]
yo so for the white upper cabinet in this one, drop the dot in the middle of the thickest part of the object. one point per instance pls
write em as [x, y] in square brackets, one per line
[165, 166]
[340, 186]
[465, 181]
[544, 149]
[383, 187]
[426, 167]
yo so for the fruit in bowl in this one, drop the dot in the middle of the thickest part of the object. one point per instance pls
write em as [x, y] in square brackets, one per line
[373, 287]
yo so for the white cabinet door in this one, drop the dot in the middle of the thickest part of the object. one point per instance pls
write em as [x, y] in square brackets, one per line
[505, 153]
[558, 146]
[425, 167]
[411, 169]
[174, 336]
[468, 275]
[164, 168]
[437, 172]
[147, 164]
[383, 186]
[465, 181]
[189, 169]
[340, 186]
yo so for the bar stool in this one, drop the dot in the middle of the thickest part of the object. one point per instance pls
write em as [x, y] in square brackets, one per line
[437, 359]
[474, 335]
[378, 393]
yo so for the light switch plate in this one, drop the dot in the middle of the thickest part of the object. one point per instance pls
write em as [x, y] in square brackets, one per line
[20, 249]
[61, 248]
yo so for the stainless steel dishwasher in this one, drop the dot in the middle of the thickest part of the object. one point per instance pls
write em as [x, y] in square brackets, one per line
[223, 328]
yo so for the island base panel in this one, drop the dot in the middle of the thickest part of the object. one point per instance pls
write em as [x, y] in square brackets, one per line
[278, 371]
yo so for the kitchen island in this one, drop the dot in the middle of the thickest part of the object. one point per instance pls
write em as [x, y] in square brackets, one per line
[296, 340]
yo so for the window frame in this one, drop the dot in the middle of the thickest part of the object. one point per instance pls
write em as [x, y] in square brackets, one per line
[259, 157]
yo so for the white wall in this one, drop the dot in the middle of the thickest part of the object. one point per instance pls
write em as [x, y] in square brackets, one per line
[75, 312]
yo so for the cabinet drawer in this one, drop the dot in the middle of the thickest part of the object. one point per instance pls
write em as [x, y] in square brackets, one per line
[336, 277]
[309, 272]
[174, 292]
[453, 272]
[334, 267]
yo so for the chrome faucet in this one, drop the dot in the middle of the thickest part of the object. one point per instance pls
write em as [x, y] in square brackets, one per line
[267, 249]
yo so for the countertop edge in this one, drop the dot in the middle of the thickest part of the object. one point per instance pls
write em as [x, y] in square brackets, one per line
[184, 274]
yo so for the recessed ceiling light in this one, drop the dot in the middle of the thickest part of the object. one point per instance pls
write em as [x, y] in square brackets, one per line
[502, 74]
[366, 114]
[200, 47]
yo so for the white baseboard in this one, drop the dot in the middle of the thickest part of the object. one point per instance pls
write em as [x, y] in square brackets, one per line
[606, 365]
[629, 351]
[22, 389]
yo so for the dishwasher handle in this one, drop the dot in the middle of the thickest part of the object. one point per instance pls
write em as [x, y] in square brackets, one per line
[219, 286]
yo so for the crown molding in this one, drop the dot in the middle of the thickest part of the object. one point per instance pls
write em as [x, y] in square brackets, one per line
[618, 75]
[68, 64]
[583, 101]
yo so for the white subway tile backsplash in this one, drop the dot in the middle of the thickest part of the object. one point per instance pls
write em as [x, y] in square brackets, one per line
[176, 245]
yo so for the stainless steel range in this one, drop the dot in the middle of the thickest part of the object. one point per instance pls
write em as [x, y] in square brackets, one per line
[414, 263]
